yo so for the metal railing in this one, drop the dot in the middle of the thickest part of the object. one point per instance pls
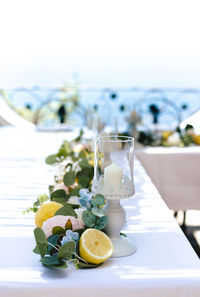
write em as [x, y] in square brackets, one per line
[41, 105]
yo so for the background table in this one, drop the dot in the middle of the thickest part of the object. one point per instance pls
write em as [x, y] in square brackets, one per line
[164, 265]
[176, 174]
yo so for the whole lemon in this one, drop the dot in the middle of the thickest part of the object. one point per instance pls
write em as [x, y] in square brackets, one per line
[45, 212]
[166, 134]
[196, 138]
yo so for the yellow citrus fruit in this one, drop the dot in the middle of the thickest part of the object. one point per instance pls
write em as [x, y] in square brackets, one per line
[166, 134]
[91, 162]
[196, 138]
[45, 212]
[95, 246]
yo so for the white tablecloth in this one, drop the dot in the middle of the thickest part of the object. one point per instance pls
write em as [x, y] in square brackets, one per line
[164, 265]
[175, 173]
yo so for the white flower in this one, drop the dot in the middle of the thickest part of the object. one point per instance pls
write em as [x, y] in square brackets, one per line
[60, 221]
[174, 139]
[79, 147]
[190, 131]
[79, 212]
[74, 200]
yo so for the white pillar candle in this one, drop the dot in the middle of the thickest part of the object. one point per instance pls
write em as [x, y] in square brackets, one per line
[112, 179]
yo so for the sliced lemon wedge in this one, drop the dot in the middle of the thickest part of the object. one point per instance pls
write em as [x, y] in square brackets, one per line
[95, 246]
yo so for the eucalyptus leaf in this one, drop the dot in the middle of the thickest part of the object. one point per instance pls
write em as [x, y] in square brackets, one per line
[74, 158]
[65, 149]
[51, 159]
[123, 234]
[42, 198]
[62, 265]
[80, 231]
[58, 230]
[82, 155]
[67, 250]
[69, 178]
[69, 165]
[66, 210]
[84, 163]
[51, 189]
[35, 250]
[87, 172]
[84, 181]
[53, 240]
[98, 200]
[82, 265]
[59, 196]
[78, 139]
[102, 223]
[88, 218]
[98, 211]
[58, 193]
[60, 200]
[98, 219]
[41, 241]
[74, 206]
[50, 261]
[75, 192]
[36, 203]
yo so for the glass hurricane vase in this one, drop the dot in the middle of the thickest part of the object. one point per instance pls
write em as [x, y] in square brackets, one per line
[113, 178]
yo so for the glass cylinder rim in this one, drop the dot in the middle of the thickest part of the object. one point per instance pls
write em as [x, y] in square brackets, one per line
[120, 138]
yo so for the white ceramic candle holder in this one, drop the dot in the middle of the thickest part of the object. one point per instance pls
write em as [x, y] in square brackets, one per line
[113, 177]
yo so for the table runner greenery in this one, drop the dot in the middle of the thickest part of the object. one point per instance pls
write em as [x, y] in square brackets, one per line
[82, 210]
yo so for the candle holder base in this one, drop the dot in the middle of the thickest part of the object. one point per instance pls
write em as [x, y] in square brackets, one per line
[122, 247]
[116, 220]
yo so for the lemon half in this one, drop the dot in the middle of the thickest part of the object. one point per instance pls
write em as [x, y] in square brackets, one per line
[95, 246]
[45, 212]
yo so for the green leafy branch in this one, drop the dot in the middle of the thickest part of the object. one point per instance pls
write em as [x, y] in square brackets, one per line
[65, 150]
[53, 254]
[94, 217]
[79, 174]
[40, 200]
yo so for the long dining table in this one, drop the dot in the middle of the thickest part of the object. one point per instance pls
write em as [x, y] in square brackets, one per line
[164, 265]
[175, 172]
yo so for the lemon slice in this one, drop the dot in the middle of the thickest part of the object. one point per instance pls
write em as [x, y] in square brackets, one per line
[95, 246]
[45, 212]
